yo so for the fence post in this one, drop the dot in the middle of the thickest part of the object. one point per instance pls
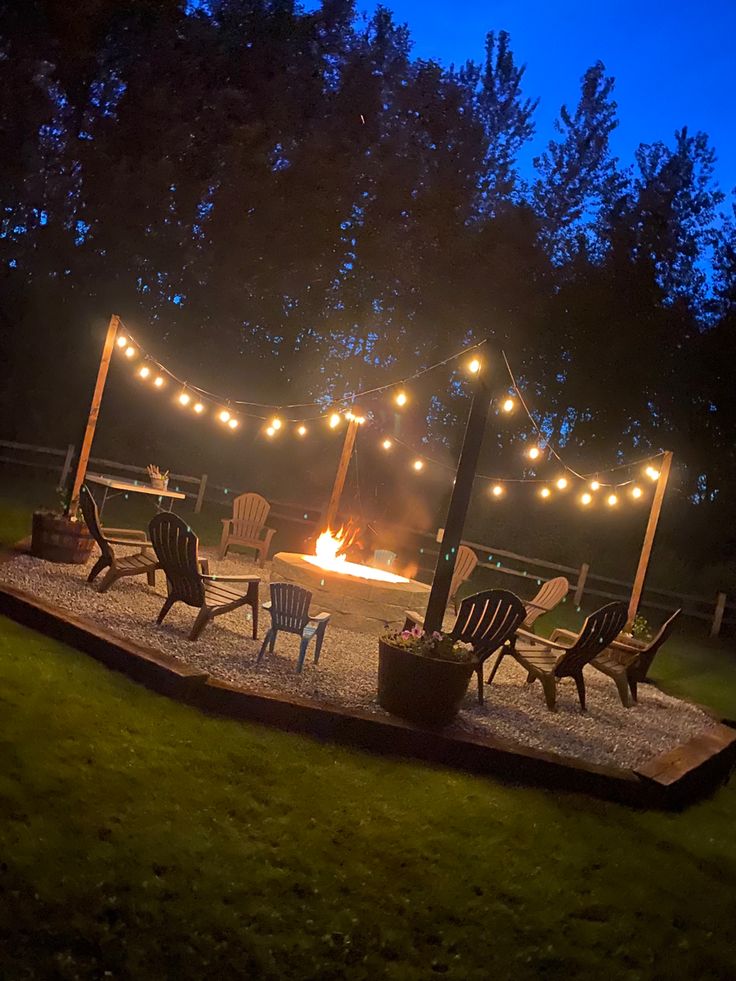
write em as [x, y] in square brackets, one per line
[580, 588]
[67, 465]
[200, 494]
[718, 614]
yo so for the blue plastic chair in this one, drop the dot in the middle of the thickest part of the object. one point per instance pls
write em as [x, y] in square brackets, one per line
[289, 609]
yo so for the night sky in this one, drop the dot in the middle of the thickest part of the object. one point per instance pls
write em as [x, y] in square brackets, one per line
[674, 62]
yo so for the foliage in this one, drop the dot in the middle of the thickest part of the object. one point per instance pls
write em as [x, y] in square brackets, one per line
[640, 628]
[436, 645]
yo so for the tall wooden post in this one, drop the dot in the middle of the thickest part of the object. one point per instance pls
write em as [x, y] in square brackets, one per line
[646, 549]
[342, 471]
[94, 411]
[458, 507]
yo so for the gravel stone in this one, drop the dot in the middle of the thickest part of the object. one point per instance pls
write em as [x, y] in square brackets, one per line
[608, 734]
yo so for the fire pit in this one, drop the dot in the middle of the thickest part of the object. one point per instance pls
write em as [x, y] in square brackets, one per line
[359, 597]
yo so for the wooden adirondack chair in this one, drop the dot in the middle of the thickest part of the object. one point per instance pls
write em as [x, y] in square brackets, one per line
[289, 609]
[247, 526]
[487, 620]
[629, 665]
[143, 562]
[549, 660]
[465, 563]
[551, 593]
[176, 546]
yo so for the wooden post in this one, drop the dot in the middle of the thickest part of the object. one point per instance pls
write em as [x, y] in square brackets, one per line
[67, 465]
[646, 549]
[580, 588]
[718, 614]
[342, 471]
[458, 507]
[94, 411]
[200, 494]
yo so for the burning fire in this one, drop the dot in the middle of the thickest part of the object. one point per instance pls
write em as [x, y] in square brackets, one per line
[330, 555]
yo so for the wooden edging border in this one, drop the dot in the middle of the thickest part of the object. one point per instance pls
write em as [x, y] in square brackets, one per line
[672, 781]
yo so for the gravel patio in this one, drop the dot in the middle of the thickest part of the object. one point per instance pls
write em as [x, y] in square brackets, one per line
[608, 734]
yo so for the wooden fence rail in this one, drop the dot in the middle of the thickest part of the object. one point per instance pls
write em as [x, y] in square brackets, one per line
[716, 610]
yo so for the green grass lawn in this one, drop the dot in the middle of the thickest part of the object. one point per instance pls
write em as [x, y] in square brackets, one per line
[142, 839]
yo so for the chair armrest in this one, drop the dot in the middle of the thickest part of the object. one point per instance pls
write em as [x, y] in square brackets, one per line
[621, 645]
[132, 542]
[270, 532]
[121, 532]
[537, 606]
[413, 619]
[320, 617]
[233, 578]
[227, 521]
[559, 632]
[540, 641]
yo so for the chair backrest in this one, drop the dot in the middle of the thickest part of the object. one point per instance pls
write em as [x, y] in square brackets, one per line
[552, 592]
[647, 655]
[92, 519]
[599, 630]
[384, 557]
[289, 607]
[250, 512]
[465, 562]
[488, 619]
[176, 546]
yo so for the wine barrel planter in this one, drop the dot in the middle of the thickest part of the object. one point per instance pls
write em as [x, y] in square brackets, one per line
[59, 539]
[425, 690]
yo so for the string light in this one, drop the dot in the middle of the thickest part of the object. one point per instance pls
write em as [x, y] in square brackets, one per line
[185, 398]
[652, 473]
[636, 491]
[418, 465]
[474, 366]
[224, 416]
[270, 431]
[595, 485]
[359, 420]
[401, 399]
[533, 452]
[233, 423]
[198, 407]
[545, 492]
[497, 490]
[508, 405]
[562, 483]
[387, 444]
[302, 431]
[334, 420]
[586, 498]
[122, 341]
[144, 372]
[611, 500]
[159, 381]
[130, 352]
[276, 423]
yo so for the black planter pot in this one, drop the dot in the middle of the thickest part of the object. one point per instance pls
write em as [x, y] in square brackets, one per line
[425, 690]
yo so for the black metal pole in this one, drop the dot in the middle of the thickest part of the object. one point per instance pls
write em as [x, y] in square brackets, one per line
[458, 507]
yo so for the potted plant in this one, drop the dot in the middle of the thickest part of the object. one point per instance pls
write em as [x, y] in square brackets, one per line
[60, 537]
[423, 676]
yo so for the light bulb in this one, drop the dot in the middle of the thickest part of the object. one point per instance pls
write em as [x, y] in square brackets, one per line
[636, 491]
[562, 483]
[334, 420]
[144, 372]
[159, 382]
[418, 465]
[544, 492]
[401, 399]
[497, 490]
[276, 423]
[122, 341]
[185, 398]
[611, 500]
[474, 366]
[349, 416]
[130, 352]
[359, 420]
[198, 407]
[224, 416]
[270, 431]
[302, 430]
[387, 444]
[508, 405]
[652, 473]
[233, 423]
[533, 452]
[586, 499]
[595, 485]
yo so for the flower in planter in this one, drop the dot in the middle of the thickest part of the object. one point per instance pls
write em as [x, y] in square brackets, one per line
[435, 645]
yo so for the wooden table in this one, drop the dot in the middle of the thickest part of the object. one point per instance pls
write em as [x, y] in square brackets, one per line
[119, 486]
